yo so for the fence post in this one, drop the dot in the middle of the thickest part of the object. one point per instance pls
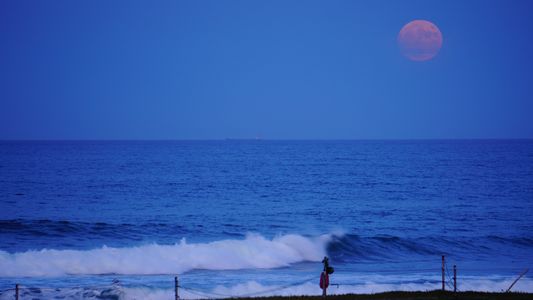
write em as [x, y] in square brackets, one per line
[17, 291]
[176, 288]
[443, 273]
[454, 278]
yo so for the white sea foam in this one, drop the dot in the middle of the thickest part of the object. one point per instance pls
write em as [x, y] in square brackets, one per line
[255, 251]
[370, 284]
[376, 285]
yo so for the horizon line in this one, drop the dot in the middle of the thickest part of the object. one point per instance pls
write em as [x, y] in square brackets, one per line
[264, 139]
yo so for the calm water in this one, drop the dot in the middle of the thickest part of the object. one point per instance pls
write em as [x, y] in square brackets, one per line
[253, 217]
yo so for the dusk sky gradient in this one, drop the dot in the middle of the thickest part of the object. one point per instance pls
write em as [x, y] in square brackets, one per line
[269, 69]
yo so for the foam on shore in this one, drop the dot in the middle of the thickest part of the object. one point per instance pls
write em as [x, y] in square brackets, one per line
[254, 288]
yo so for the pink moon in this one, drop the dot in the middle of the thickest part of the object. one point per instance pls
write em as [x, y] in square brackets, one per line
[420, 40]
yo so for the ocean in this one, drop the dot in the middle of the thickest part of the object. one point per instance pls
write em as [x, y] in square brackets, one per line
[122, 219]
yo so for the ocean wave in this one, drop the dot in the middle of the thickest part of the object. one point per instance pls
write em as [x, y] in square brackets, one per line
[355, 248]
[252, 252]
[22, 234]
[63, 228]
[255, 251]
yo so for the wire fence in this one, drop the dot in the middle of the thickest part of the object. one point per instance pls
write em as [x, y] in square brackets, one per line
[116, 290]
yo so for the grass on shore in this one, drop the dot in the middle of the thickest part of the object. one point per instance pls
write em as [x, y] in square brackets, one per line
[430, 295]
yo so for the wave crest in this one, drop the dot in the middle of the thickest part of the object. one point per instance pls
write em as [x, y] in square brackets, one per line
[255, 251]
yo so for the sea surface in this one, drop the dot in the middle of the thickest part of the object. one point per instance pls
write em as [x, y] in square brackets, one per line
[121, 219]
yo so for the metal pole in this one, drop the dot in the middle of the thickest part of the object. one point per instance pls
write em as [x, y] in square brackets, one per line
[176, 288]
[443, 273]
[454, 278]
[521, 274]
[17, 291]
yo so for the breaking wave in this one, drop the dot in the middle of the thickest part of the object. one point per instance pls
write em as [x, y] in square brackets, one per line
[254, 251]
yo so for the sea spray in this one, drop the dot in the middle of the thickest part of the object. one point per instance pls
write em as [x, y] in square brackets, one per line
[255, 251]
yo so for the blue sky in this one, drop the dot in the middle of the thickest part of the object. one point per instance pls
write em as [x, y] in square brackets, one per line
[270, 69]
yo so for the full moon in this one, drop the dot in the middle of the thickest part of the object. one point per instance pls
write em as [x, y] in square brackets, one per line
[420, 40]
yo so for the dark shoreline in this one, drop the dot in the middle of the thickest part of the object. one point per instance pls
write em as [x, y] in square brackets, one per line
[429, 295]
